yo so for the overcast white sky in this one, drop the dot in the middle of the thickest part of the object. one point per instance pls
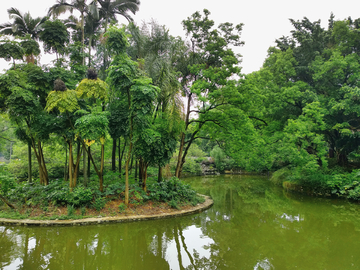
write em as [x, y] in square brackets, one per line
[264, 20]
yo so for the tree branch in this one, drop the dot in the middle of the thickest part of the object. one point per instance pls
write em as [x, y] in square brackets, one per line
[6, 139]
[253, 117]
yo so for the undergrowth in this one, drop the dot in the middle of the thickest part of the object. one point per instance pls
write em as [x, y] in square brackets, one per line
[26, 195]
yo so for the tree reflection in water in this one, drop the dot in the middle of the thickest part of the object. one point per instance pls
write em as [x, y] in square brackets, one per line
[160, 244]
[252, 225]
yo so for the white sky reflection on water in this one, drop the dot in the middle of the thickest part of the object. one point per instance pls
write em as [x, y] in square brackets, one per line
[194, 240]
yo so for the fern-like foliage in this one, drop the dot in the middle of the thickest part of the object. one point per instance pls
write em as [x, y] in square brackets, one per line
[92, 89]
[93, 127]
[64, 101]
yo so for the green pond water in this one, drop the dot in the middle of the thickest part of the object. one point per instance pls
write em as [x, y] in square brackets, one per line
[252, 225]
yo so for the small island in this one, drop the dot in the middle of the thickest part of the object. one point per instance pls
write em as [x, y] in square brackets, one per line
[56, 204]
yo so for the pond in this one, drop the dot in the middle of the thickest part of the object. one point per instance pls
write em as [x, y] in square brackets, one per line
[252, 225]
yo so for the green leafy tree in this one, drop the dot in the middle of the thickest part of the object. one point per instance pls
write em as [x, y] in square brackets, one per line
[31, 49]
[206, 73]
[55, 37]
[124, 78]
[11, 50]
[25, 90]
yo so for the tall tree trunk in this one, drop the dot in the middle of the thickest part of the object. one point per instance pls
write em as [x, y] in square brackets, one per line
[90, 40]
[85, 175]
[127, 173]
[99, 173]
[82, 37]
[140, 175]
[120, 157]
[102, 168]
[131, 164]
[76, 166]
[71, 163]
[143, 173]
[136, 170]
[39, 157]
[66, 175]
[29, 164]
[43, 165]
[89, 161]
[178, 165]
[113, 156]
[160, 174]
[181, 158]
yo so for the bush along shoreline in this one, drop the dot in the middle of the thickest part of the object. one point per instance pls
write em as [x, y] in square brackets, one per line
[335, 182]
[57, 201]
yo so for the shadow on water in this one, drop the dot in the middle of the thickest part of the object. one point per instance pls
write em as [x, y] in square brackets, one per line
[252, 225]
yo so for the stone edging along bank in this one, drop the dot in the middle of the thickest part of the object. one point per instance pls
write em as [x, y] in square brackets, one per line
[91, 221]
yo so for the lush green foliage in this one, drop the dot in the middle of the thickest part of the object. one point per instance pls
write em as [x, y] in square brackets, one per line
[58, 193]
[174, 192]
[298, 114]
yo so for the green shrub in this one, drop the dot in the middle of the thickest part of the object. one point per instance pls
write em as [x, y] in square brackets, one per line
[174, 204]
[219, 157]
[172, 190]
[7, 182]
[99, 203]
[122, 207]
[70, 210]
[79, 196]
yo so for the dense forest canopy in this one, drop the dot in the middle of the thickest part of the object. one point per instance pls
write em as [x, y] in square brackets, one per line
[137, 94]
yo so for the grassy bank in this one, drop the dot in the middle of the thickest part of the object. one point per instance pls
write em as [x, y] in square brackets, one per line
[334, 182]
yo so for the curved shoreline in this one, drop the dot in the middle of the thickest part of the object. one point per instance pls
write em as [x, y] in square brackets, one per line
[118, 219]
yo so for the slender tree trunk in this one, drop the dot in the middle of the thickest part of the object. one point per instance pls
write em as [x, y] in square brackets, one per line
[136, 170]
[113, 156]
[178, 165]
[90, 40]
[71, 163]
[143, 173]
[82, 37]
[66, 165]
[131, 164]
[140, 173]
[85, 166]
[160, 174]
[76, 166]
[43, 165]
[99, 173]
[88, 166]
[127, 173]
[120, 157]
[102, 168]
[39, 157]
[181, 158]
[29, 164]
[144, 178]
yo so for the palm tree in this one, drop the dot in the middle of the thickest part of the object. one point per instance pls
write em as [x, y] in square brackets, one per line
[22, 25]
[80, 5]
[108, 11]
[110, 8]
